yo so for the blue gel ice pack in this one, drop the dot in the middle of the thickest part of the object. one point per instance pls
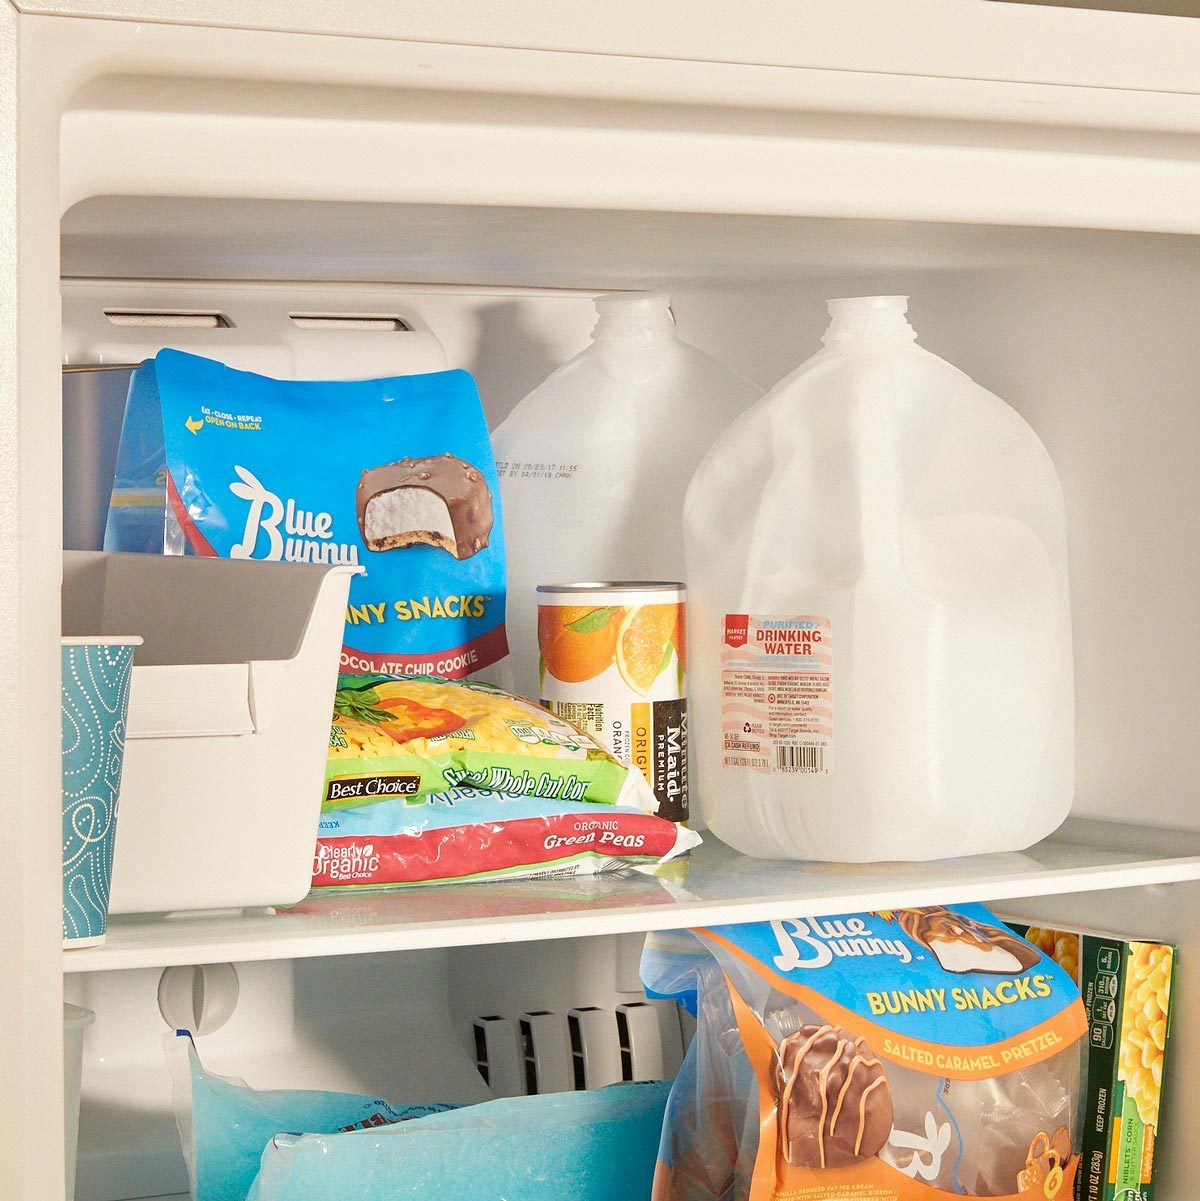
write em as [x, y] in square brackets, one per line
[585, 1146]
[225, 1124]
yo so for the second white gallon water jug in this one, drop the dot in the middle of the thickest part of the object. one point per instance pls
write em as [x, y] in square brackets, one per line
[594, 462]
[879, 627]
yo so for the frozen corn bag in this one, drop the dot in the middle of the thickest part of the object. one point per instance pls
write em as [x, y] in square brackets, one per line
[409, 737]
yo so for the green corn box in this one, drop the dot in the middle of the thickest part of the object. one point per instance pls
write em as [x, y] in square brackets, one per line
[1126, 990]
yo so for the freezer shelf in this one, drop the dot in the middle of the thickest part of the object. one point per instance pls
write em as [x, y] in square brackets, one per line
[715, 886]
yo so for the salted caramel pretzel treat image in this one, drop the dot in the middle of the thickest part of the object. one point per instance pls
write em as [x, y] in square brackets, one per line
[1048, 1156]
[832, 1096]
[963, 945]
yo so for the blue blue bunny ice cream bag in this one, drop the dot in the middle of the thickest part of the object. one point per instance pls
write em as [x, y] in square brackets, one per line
[393, 475]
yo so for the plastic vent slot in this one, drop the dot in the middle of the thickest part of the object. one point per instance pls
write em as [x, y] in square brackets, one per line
[531, 1075]
[498, 1055]
[595, 1056]
[650, 1040]
[481, 1053]
[589, 1047]
[350, 322]
[547, 1049]
[626, 1045]
[165, 320]
[578, 1075]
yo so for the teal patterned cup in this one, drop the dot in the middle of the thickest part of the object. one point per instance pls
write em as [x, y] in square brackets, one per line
[95, 702]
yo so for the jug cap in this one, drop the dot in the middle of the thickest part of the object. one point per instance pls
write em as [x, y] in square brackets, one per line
[868, 317]
[633, 316]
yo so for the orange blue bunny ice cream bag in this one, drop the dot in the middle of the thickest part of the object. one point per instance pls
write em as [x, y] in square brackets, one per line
[905, 1055]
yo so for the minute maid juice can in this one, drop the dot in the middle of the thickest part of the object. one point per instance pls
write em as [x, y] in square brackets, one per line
[612, 662]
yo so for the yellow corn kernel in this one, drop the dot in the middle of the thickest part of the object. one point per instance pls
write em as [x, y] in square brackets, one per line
[1041, 938]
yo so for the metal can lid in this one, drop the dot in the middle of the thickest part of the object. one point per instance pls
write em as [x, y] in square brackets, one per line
[615, 586]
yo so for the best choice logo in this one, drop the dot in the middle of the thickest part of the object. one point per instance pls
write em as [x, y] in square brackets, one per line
[357, 788]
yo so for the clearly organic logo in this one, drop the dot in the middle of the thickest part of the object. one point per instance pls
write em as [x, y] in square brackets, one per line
[346, 861]
[306, 536]
[815, 942]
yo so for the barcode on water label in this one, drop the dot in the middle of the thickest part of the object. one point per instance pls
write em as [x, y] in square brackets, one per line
[800, 757]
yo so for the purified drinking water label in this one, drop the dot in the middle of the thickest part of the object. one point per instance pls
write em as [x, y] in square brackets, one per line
[777, 694]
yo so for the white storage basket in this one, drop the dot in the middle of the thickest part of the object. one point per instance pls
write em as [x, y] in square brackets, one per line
[229, 717]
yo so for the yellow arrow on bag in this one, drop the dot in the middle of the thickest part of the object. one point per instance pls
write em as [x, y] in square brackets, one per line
[193, 425]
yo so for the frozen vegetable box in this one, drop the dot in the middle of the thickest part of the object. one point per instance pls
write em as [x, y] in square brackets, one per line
[1126, 989]
[228, 728]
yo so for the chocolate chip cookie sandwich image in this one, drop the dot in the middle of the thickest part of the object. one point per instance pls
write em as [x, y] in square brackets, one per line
[438, 500]
[963, 945]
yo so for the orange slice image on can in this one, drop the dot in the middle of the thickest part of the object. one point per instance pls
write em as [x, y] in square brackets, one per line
[644, 644]
[578, 642]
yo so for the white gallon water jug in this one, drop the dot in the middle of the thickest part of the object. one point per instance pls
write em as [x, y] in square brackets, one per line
[879, 629]
[594, 462]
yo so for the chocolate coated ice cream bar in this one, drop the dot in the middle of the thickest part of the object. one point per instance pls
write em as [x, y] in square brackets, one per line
[435, 501]
[963, 945]
[833, 1099]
